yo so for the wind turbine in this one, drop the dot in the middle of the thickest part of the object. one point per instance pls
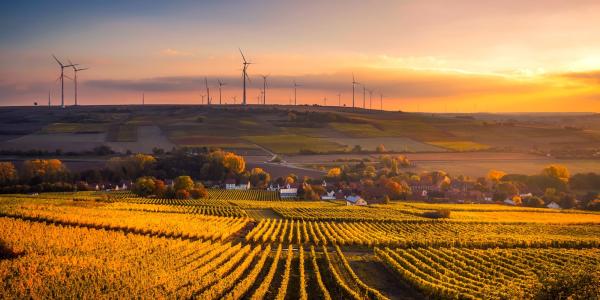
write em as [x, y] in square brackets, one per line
[207, 91]
[265, 87]
[143, 99]
[354, 83]
[381, 101]
[364, 96]
[339, 99]
[296, 85]
[244, 75]
[221, 84]
[62, 80]
[75, 70]
[370, 99]
[203, 98]
[49, 104]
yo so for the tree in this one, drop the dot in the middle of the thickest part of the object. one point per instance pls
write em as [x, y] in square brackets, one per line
[8, 173]
[395, 189]
[132, 166]
[495, 175]
[159, 188]
[568, 201]
[144, 186]
[557, 171]
[380, 149]
[534, 201]
[334, 173]
[184, 183]
[199, 191]
[259, 178]
[46, 170]
[234, 163]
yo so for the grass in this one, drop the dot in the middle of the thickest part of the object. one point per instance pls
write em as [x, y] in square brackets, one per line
[460, 146]
[292, 143]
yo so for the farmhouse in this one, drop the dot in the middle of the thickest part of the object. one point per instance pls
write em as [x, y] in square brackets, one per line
[288, 191]
[355, 200]
[329, 195]
[230, 184]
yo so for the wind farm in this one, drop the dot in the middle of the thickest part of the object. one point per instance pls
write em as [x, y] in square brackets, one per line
[329, 150]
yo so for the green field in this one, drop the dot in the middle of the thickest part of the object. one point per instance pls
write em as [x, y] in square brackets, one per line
[291, 143]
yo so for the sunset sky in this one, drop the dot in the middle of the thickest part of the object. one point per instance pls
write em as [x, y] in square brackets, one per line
[454, 56]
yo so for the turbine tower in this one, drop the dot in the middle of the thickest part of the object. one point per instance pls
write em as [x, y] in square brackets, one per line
[244, 75]
[49, 103]
[370, 99]
[207, 91]
[296, 85]
[354, 83]
[265, 88]
[381, 101]
[221, 84]
[364, 97]
[75, 70]
[339, 99]
[62, 80]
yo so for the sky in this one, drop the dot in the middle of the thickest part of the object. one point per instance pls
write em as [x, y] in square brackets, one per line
[433, 56]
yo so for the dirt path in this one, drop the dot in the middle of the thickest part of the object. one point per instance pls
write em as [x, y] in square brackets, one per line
[376, 275]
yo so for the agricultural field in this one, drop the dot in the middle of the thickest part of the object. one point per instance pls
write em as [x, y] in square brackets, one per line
[250, 245]
[292, 143]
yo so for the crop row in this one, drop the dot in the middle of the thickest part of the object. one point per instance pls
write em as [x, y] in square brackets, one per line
[425, 234]
[81, 262]
[459, 273]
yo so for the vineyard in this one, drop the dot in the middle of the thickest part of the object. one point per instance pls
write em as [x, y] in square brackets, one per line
[109, 245]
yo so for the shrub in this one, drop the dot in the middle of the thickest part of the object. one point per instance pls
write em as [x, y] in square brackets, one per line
[199, 191]
[437, 214]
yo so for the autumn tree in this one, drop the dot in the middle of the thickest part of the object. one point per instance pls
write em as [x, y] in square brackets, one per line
[46, 170]
[495, 175]
[259, 178]
[8, 173]
[199, 191]
[144, 186]
[557, 171]
[234, 163]
[183, 183]
[334, 173]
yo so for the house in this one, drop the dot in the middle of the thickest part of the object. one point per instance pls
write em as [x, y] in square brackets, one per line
[230, 184]
[355, 200]
[289, 191]
[273, 187]
[330, 195]
[553, 205]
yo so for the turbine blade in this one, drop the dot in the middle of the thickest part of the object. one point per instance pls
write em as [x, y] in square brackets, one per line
[244, 58]
[58, 61]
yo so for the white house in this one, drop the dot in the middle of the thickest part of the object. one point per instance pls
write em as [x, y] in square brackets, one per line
[328, 195]
[230, 184]
[553, 205]
[355, 200]
[288, 191]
